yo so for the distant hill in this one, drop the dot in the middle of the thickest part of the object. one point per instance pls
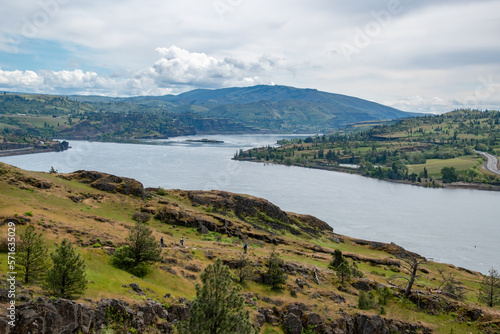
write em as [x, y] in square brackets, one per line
[230, 110]
[275, 108]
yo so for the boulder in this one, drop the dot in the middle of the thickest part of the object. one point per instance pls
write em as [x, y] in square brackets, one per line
[135, 287]
[292, 324]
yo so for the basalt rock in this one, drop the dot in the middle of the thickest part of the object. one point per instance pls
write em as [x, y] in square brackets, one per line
[107, 182]
[258, 212]
[365, 324]
[64, 316]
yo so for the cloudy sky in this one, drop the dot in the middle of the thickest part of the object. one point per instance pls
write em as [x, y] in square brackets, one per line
[425, 55]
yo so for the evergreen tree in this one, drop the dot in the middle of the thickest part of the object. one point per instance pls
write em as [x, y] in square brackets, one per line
[343, 271]
[337, 259]
[340, 265]
[489, 292]
[142, 250]
[218, 307]
[275, 277]
[32, 256]
[66, 278]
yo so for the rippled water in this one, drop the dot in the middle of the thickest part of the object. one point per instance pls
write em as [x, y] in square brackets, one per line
[461, 227]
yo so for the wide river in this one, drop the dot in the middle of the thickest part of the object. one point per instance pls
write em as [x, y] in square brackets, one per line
[461, 227]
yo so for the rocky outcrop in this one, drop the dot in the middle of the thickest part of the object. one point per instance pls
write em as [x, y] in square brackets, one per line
[374, 324]
[391, 248]
[258, 212]
[107, 182]
[62, 316]
[297, 317]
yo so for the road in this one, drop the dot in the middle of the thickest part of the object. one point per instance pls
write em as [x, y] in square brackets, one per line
[492, 163]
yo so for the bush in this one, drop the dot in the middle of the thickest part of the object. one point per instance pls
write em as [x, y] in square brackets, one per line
[139, 270]
[4, 245]
[140, 252]
[141, 217]
[384, 295]
[364, 301]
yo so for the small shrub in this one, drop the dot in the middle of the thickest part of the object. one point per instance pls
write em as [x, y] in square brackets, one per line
[384, 295]
[309, 330]
[364, 302]
[355, 272]
[28, 213]
[140, 270]
[141, 217]
[161, 191]
[4, 245]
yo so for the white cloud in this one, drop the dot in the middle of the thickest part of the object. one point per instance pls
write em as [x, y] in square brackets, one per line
[176, 71]
[180, 67]
[28, 79]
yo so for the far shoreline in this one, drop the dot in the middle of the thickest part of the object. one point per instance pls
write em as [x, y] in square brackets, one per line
[346, 170]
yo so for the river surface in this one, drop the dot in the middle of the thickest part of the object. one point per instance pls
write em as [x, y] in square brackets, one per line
[460, 227]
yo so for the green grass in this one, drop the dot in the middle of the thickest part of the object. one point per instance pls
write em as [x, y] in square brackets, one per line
[434, 166]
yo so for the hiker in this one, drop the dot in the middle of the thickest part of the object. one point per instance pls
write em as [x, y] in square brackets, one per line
[182, 242]
[245, 248]
[162, 243]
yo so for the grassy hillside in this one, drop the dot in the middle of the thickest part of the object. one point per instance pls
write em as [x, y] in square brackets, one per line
[413, 150]
[28, 118]
[278, 108]
[217, 224]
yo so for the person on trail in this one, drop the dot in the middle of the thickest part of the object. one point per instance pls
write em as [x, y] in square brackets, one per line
[162, 244]
[245, 248]
[182, 242]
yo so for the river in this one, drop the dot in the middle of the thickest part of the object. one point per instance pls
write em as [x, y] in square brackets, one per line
[454, 226]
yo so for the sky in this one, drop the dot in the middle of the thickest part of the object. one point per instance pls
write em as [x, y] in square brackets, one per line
[419, 56]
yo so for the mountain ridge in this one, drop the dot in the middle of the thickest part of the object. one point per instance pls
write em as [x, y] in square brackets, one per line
[257, 109]
[276, 108]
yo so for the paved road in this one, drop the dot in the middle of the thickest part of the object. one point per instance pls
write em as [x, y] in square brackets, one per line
[492, 163]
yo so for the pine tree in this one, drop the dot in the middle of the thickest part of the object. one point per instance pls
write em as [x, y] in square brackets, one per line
[489, 292]
[337, 259]
[340, 265]
[66, 278]
[343, 271]
[32, 256]
[218, 307]
[142, 250]
[275, 275]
